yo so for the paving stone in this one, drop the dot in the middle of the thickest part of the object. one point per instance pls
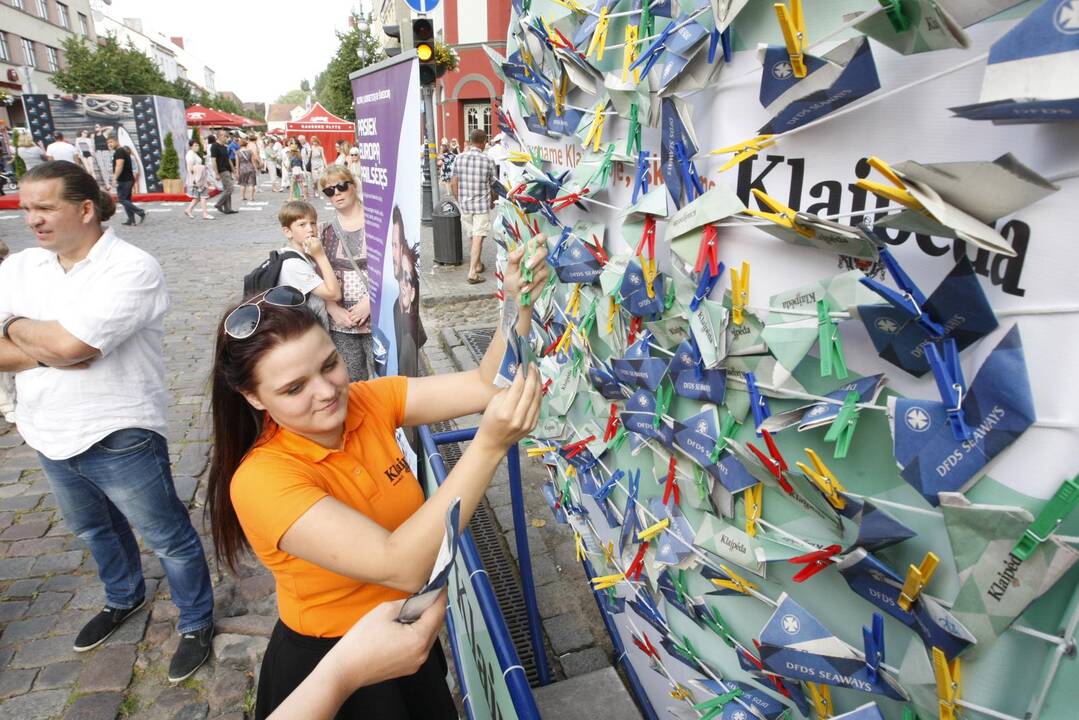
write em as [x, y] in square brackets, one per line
[133, 629]
[261, 625]
[583, 661]
[16, 682]
[34, 706]
[554, 600]
[37, 547]
[172, 700]
[45, 651]
[95, 706]
[193, 711]
[63, 562]
[256, 587]
[193, 459]
[543, 569]
[238, 651]
[185, 487]
[228, 688]
[72, 621]
[22, 502]
[66, 583]
[567, 632]
[24, 530]
[108, 668]
[15, 568]
[48, 603]
[20, 630]
[11, 610]
[90, 597]
[23, 588]
[57, 675]
[6, 518]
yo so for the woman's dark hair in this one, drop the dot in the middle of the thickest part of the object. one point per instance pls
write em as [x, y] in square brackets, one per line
[77, 185]
[237, 425]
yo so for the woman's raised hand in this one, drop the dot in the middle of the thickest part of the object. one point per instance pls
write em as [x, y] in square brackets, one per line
[513, 285]
[512, 413]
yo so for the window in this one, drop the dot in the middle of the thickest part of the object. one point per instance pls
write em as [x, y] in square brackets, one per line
[43, 8]
[478, 115]
[65, 18]
[84, 25]
[54, 59]
[28, 56]
[5, 53]
[17, 4]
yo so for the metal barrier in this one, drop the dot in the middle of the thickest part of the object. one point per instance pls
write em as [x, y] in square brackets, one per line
[516, 680]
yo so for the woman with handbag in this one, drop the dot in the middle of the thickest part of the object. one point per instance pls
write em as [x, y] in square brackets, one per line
[198, 180]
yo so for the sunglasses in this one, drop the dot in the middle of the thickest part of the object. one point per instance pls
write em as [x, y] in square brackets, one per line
[334, 189]
[242, 322]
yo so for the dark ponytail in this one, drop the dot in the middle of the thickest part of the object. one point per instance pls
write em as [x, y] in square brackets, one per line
[78, 185]
[237, 425]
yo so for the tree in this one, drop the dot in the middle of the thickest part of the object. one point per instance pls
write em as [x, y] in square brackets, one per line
[196, 135]
[356, 50]
[170, 161]
[109, 68]
[294, 97]
[20, 164]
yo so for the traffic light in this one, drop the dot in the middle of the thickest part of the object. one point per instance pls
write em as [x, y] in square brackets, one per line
[423, 40]
[394, 32]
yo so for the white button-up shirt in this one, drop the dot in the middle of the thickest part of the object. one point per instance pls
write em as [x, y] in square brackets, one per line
[113, 300]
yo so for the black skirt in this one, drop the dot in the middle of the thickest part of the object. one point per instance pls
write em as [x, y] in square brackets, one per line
[290, 658]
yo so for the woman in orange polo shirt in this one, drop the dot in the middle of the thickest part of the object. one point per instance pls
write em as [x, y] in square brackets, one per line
[307, 474]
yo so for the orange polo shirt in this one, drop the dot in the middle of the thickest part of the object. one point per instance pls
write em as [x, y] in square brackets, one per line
[286, 474]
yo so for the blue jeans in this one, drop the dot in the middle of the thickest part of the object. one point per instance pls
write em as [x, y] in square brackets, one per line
[124, 478]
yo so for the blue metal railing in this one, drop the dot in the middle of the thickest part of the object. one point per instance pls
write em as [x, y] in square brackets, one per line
[515, 677]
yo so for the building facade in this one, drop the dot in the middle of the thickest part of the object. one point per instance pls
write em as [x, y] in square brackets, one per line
[169, 53]
[32, 35]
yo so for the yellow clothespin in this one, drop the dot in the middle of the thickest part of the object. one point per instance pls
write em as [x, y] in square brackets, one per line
[949, 683]
[608, 552]
[570, 471]
[793, 23]
[681, 694]
[739, 293]
[561, 89]
[917, 578]
[736, 582]
[518, 157]
[753, 496]
[578, 544]
[743, 150]
[780, 215]
[537, 107]
[573, 305]
[821, 698]
[595, 132]
[599, 35]
[602, 582]
[648, 269]
[612, 314]
[540, 451]
[572, 5]
[630, 53]
[896, 192]
[565, 340]
[652, 530]
[823, 478]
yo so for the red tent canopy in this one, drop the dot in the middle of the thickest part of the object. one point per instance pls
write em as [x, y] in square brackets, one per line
[199, 116]
[328, 127]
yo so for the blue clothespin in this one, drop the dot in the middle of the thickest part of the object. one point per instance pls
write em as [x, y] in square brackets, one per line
[705, 285]
[943, 358]
[720, 39]
[560, 246]
[713, 45]
[649, 57]
[757, 402]
[874, 647]
[549, 214]
[640, 178]
[605, 488]
[728, 48]
[690, 179]
[910, 301]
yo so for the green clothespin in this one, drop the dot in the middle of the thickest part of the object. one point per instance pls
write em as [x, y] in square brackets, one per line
[664, 395]
[1054, 512]
[578, 360]
[700, 483]
[525, 110]
[717, 624]
[714, 707]
[537, 156]
[908, 713]
[668, 301]
[634, 139]
[728, 428]
[602, 176]
[842, 429]
[681, 585]
[900, 22]
[648, 22]
[831, 343]
[525, 298]
[619, 438]
[589, 320]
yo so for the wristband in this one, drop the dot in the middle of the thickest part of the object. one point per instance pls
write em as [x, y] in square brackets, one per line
[7, 324]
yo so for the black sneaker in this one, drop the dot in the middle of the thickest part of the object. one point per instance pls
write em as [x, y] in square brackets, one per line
[142, 217]
[191, 653]
[102, 625]
[127, 222]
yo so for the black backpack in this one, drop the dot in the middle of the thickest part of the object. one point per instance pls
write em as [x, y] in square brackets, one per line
[265, 276]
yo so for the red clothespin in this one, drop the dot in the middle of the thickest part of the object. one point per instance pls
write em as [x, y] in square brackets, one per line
[596, 248]
[566, 200]
[500, 295]
[814, 562]
[633, 572]
[550, 348]
[613, 423]
[760, 666]
[775, 464]
[708, 254]
[547, 385]
[646, 646]
[751, 657]
[574, 449]
[648, 237]
[671, 486]
[636, 325]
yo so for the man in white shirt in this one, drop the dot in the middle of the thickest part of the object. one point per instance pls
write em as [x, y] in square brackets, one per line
[81, 325]
[60, 149]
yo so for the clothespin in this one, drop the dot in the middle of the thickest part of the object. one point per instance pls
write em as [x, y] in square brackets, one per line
[714, 707]
[690, 179]
[613, 423]
[633, 572]
[909, 714]
[602, 175]
[645, 645]
[739, 293]
[910, 301]
[596, 249]
[713, 44]
[680, 693]
[728, 428]
[595, 132]
[715, 622]
[636, 324]
[814, 562]
[727, 45]
[608, 552]
[916, 580]
[664, 395]
[578, 545]
[841, 431]
[831, 343]
[949, 683]
[753, 496]
[894, 10]
[602, 582]
[573, 6]
[1054, 512]
[605, 488]
[708, 266]
[792, 22]
[612, 313]
[525, 298]
[651, 531]
[780, 214]
[943, 358]
[587, 322]
[681, 585]
[823, 478]
[647, 243]
[896, 192]
[518, 157]
[561, 90]
[633, 137]
[649, 57]
[540, 451]
[873, 638]
[734, 581]
[599, 35]
[630, 52]
[743, 150]
[619, 438]
[670, 487]
[573, 449]
[640, 177]
[821, 697]
[573, 304]
[774, 462]
[647, 22]
[757, 402]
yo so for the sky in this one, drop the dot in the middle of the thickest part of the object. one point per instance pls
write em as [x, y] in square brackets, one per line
[256, 49]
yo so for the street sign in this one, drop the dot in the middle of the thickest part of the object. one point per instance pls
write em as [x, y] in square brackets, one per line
[422, 6]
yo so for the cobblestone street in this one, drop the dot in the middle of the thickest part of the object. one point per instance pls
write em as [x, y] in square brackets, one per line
[48, 583]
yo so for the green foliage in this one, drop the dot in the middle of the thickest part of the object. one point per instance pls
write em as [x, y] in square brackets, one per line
[20, 165]
[294, 97]
[109, 68]
[248, 703]
[129, 706]
[356, 50]
[170, 161]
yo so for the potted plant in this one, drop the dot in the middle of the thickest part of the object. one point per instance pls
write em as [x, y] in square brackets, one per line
[446, 59]
[169, 171]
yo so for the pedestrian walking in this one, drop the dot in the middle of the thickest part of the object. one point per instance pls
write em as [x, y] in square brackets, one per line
[61, 149]
[247, 170]
[306, 470]
[83, 331]
[124, 177]
[30, 152]
[221, 167]
[297, 176]
[471, 183]
[318, 161]
[445, 167]
[198, 181]
[102, 154]
[283, 163]
[270, 152]
[84, 149]
[354, 164]
[343, 148]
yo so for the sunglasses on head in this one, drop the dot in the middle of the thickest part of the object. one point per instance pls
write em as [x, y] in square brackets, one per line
[334, 189]
[242, 322]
